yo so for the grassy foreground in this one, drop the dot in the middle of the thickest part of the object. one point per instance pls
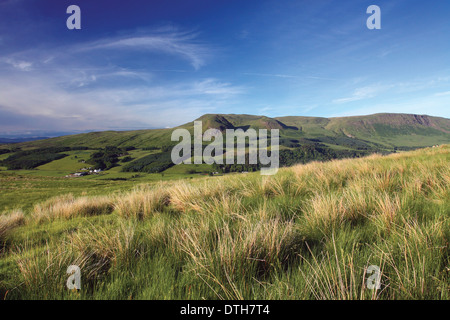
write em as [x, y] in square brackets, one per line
[309, 232]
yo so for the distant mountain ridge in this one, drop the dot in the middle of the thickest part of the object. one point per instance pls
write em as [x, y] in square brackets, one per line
[382, 130]
[20, 139]
[237, 121]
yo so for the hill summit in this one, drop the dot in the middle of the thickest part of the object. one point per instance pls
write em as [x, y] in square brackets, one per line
[383, 131]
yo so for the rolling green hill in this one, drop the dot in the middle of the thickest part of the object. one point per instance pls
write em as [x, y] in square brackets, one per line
[302, 139]
[383, 130]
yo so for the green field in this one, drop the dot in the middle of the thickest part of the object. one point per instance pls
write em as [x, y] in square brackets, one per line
[308, 232]
[71, 163]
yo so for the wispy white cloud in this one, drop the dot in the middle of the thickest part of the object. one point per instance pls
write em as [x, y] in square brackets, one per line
[243, 34]
[400, 88]
[215, 87]
[280, 75]
[181, 44]
[440, 94]
[361, 94]
[19, 64]
[269, 75]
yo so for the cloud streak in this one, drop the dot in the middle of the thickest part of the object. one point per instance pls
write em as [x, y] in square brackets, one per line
[280, 75]
[181, 44]
[20, 65]
[398, 88]
[361, 94]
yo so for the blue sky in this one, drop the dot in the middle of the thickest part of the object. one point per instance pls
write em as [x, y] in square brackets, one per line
[147, 64]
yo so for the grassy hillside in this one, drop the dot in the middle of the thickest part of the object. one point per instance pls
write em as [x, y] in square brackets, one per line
[302, 139]
[379, 130]
[141, 138]
[394, 129]
[308, 232]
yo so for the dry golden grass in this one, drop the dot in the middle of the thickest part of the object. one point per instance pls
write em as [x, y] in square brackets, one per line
[108, 246]
[334, 276]
[46, 269]
[142, 202]
[407, 260]
[185, 196]
[67, 207]
[387, 208]
[330, 210]
[220, 254]
[9, 222]
[94, 251]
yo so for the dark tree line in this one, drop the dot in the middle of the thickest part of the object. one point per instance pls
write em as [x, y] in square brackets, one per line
[3, 151]
[31, 159]
[107, 157]
[153, 163]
